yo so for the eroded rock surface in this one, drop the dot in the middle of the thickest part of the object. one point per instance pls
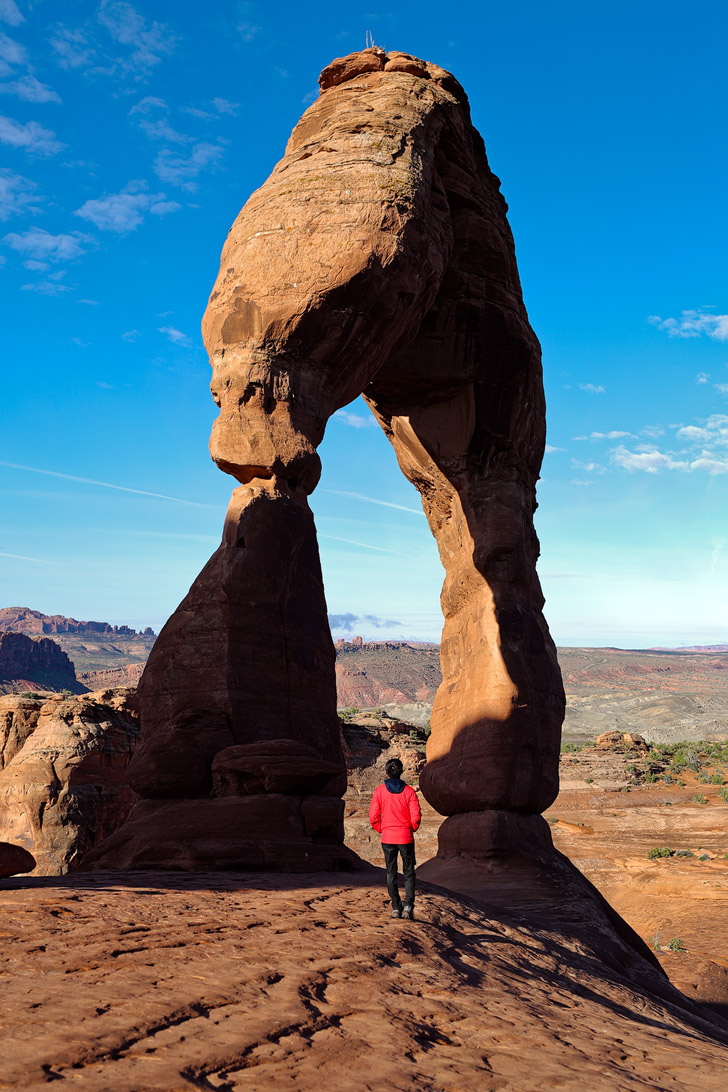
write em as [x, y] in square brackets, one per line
[376, 259]
[260, 982]
[63, 773]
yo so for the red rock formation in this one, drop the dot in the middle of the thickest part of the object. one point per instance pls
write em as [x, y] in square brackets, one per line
[62, 774]
[26, 663]
[377, 258]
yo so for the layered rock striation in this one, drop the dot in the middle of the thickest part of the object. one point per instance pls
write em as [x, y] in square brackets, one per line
[376, 259]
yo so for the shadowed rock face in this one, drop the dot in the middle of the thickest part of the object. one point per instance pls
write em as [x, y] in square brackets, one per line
[376, 259]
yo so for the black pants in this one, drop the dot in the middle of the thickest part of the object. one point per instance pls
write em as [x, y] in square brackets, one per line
[408, 868]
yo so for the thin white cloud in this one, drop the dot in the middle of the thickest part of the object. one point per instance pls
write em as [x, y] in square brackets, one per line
[40, 245]
[247, 31]
[153, 120]
[124, 211]
[581, 481]
[46, 288]
[702, 377]
[591, 388]
[10, 13]
[30, 89]
[591, 468]
[149, 42]
[22, 557]
[11, 52]
[374, 500]
[693, 433]
[650, 461]
[17, 194]
[105, 485]
[224, 106]
[653, 431]
[615, 434]
[693, 324]
[72, 48]
[551, 450]
[34, 138]
[355, 420]
[175, 336]
[180, 168]
[365, 545]
[130, 335]
[143, 44]
[711, 439]
[722, 387]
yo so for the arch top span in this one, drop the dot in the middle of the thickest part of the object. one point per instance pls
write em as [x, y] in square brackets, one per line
[377, 258]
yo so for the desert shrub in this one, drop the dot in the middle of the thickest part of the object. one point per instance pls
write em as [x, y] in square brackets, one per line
[698, 798]
[659, 851]
[656, 940]
[649, 778]
[675, 945]
[667, 780]
[631, 768]
[568, 748]
[704, 857]
[716, 779]
[589, 780]
[684, 853]
[723, 794]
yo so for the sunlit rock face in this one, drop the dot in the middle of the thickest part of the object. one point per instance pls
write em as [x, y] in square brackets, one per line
[376, 259]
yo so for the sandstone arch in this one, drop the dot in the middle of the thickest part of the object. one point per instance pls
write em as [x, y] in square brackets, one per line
[376, 259]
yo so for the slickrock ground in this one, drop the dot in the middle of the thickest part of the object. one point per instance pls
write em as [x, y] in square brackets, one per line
[168, 982]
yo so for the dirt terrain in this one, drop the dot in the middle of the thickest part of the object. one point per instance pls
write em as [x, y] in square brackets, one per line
[612, 824]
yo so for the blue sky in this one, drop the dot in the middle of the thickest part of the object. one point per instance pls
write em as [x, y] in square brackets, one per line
[131, 135]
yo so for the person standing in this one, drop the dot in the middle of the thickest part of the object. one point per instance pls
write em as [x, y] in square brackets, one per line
[395, 814]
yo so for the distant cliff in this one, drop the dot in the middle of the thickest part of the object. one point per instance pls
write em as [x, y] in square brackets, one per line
[35, 664]
[25, 620]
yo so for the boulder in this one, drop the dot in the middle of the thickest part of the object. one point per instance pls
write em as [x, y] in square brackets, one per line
[14, 859]
[63, 780]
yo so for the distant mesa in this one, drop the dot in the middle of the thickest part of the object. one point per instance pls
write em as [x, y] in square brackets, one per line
[25, 620]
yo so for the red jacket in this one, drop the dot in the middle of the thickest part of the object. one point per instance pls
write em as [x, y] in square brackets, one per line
[395, 815]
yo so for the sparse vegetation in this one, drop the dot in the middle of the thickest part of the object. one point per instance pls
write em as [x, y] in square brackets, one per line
[659, 851]
[723, 794]
[569, 748]
[656, 940]
[684, 853]
[698, 798]
[675, 945]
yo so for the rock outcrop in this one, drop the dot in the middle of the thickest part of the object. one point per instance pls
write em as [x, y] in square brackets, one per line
[63, 773]
[27, 663]
[376, 259]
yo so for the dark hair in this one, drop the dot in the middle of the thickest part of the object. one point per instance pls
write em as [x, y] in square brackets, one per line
[394, 768]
